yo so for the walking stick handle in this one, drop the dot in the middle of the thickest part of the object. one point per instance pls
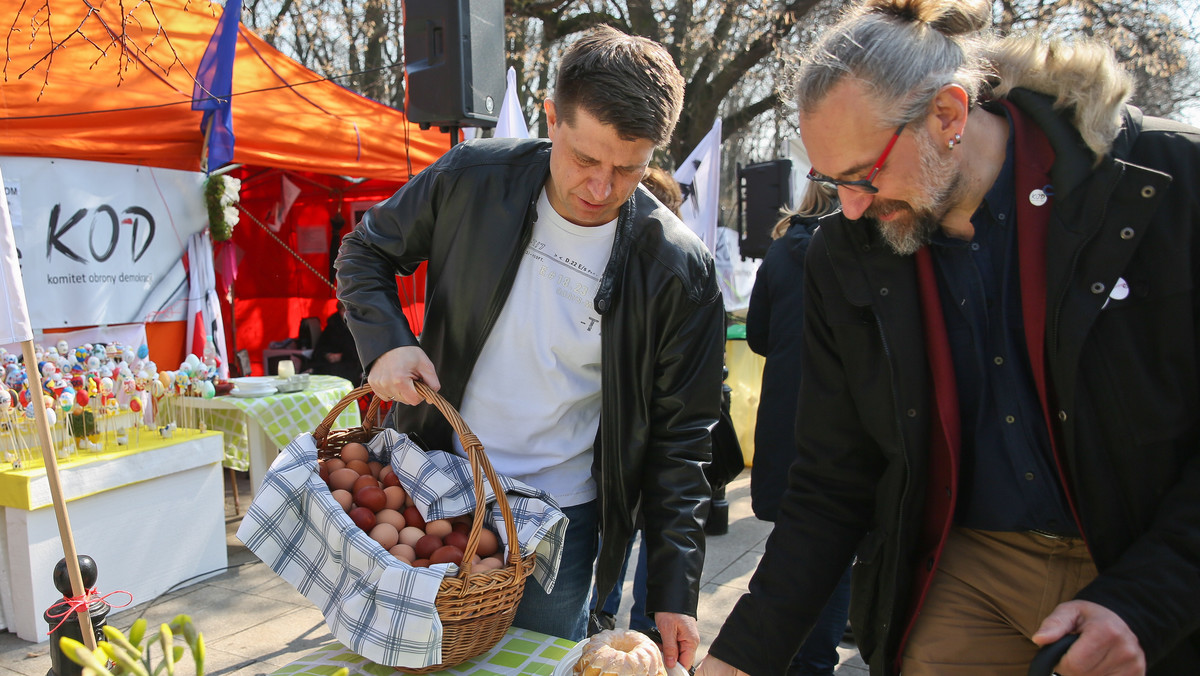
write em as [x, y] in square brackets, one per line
[1048, 657]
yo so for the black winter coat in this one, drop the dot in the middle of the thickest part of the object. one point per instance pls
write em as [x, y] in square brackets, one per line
[470, 216]
[774, 322]
[1124, 381]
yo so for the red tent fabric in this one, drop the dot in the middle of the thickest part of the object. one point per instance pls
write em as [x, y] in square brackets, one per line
[107, 82]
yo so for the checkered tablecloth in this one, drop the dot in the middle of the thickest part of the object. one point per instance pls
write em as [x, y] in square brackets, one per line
[283, 416]
[381, 608]
[520, 653]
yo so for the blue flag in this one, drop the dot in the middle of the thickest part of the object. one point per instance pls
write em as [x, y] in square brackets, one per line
[214, 86]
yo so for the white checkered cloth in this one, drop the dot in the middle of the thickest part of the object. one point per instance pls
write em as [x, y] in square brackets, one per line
[378, 606]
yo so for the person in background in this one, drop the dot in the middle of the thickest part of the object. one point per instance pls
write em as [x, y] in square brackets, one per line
[663, 186]
[774, 322]
[573, 320]
[335, 353]
[1001, 390]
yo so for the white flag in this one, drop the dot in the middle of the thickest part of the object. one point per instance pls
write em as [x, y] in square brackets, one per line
[14, 314]
[511, 123]
[700, 177]
[289, 192]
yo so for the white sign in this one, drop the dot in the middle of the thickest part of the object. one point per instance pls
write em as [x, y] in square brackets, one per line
[102, 243]
[14, 317]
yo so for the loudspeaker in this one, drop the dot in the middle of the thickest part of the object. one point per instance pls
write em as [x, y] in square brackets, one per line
[453, 62]
[764, 188]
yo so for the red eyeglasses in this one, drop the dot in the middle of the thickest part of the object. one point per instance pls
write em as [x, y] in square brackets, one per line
[863, 185]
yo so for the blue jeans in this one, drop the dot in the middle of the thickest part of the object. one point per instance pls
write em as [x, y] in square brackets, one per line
[638, 620]
[564, 611]
[819, 656]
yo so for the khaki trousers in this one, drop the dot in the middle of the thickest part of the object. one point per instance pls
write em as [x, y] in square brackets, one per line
[989, 595]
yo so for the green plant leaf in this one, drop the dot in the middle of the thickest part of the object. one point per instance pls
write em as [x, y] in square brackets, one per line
[167, 639]
[198, 651]
[115, 637]
[137, 632]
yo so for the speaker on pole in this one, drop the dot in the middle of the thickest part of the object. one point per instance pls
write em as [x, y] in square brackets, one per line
[453, 62]
[763, 189]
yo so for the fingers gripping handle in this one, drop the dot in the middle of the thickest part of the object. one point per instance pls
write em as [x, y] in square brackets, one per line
[1048, 657]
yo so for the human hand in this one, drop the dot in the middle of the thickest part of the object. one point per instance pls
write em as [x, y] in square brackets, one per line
[680, 637]
[712, 666]
[1106, 645]
[393, 374]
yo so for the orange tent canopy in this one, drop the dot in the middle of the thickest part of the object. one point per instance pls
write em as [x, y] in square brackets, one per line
[81, 81]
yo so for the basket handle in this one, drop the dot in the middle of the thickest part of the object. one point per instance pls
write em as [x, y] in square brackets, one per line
[323, 429]
[479, 464]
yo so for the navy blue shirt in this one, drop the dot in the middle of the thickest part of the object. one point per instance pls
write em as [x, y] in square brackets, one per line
[1008, 479]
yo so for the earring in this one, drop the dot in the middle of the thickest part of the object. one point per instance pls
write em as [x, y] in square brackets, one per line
[957, 139]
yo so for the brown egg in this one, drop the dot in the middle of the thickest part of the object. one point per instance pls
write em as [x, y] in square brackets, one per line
[334, 463]
[388, 477]
[371, 497]
[342, 479]
[438, 527]
[376, 467]
[410, 535]
[427, 545]
[390, 516]
[461, 526]
[323, 472]
[395, 497]
[446, 554]
[412, 517]
[486, 564]
[344, 499]
[363, 518]
[355, 451]
[456, 539]
[489, 543]
[360, 466]
[421, 563]
[385, 534]
[404, 553]
[363, 481]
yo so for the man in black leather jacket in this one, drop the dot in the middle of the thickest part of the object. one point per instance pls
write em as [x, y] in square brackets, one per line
[1002, 374]
[531, 247]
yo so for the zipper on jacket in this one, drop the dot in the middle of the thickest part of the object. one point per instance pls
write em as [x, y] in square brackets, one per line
[510, 276]
[908, 482]
[1053, 335]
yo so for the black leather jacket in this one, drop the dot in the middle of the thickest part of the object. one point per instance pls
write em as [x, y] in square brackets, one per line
[470, 215]
[1125, 387]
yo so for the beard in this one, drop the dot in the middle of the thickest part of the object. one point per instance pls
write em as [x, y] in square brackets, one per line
[912, 224]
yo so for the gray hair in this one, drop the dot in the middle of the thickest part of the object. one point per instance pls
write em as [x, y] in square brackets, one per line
[903, 52]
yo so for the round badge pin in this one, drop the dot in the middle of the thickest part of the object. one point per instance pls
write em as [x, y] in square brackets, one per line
[1120, 290]
[1037, 198]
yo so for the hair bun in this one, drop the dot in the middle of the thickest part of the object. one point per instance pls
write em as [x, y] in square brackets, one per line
[948, 17]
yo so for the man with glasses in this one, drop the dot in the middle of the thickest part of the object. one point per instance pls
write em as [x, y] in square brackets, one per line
[1000, 411]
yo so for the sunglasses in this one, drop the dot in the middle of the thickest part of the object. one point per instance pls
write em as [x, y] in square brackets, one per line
[863, 185]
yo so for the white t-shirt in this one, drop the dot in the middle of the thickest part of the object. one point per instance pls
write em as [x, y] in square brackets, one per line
[534, 396]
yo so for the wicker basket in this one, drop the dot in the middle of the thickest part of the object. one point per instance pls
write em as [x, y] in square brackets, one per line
[475, 609]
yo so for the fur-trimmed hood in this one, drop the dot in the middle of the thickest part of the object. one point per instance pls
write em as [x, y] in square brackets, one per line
[1083, 78]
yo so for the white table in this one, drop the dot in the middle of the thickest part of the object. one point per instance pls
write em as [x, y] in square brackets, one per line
[257, 427]
[151, 515]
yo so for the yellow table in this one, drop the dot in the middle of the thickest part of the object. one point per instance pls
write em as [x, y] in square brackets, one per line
[256, 428]
[151, 515]
[519, 653]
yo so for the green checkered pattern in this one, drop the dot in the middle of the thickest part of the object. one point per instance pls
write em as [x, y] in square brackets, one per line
[520, 652]
[283, 416]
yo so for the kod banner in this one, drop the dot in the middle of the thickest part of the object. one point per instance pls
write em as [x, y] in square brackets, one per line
[102, 243]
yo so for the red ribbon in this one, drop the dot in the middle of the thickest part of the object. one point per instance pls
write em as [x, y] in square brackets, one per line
[75, 603]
